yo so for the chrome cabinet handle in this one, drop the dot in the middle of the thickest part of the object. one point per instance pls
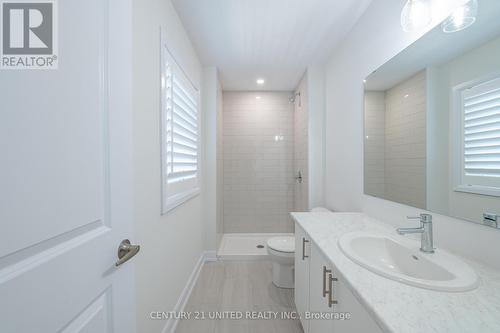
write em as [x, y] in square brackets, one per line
[304, 241]
[325, 272]
[331, 301]
[126, 251]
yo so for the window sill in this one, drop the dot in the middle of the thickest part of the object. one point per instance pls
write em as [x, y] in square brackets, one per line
[476, 189]
[178, 199]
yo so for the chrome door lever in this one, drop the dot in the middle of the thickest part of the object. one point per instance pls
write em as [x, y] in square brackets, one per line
[126, 251]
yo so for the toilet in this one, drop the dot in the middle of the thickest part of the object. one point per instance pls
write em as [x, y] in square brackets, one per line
[281, 251]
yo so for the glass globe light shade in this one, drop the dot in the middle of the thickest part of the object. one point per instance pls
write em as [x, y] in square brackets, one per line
[461, 18]
[416, 15]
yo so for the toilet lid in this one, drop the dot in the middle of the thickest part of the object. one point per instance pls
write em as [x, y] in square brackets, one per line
[282, 244]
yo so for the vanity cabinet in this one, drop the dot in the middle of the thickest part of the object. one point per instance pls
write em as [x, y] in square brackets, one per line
[320, 307]
[322, 295]
[302, 256]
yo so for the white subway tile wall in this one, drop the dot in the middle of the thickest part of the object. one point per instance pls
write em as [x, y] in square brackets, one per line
[395, 142]
[405, 142]
[258, 162]
[375, 143]
[300, 158]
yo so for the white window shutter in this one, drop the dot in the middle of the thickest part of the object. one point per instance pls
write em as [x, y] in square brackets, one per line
[481, 134]
[180, 135]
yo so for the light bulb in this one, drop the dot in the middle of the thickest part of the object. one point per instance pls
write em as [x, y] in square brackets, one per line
[461, 18]
[416, 15]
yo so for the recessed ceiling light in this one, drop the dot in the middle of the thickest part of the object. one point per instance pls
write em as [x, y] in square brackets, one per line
[257, 97]
[260, 81]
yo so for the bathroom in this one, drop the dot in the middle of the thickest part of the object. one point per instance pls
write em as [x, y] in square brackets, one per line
[250, 166]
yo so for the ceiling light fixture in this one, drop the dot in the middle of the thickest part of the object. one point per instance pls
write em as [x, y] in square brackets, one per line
[260, 81]
[257, 97]
[461, 18]
[416, 15]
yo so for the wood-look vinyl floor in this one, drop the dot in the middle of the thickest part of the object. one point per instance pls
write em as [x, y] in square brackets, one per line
[225, 287]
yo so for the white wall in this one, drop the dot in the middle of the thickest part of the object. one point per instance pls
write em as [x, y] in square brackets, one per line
[316, 135]
[219, 228]
[170, 244]
[258, 162]
[438, 172]
[376, 38]
[212, 166]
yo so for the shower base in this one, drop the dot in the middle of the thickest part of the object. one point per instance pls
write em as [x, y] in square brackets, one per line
[245, 246]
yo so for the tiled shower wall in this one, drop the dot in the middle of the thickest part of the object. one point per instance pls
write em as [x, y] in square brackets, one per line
[258, 171]
[395, 142]
[405, 142]
[375, 143]
[300, 156]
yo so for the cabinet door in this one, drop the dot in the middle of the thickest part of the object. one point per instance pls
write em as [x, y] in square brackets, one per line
[320, 311]
[360, 320]
[302, 257]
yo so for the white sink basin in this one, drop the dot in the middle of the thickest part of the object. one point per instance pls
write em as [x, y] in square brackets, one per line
[400, 259]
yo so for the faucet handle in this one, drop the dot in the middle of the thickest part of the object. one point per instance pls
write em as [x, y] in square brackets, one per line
[424, 218]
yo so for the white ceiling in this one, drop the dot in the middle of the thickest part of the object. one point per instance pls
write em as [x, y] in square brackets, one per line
[272, 39]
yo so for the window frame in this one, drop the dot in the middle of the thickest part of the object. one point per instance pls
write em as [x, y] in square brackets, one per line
[460, 181]
[173, 195]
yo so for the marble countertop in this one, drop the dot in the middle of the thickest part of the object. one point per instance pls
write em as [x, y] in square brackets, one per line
[398, 307]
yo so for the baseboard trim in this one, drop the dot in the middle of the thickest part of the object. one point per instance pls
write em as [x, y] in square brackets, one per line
[171, 324]
[211, 255]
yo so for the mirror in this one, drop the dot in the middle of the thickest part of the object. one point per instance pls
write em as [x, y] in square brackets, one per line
[432, 123]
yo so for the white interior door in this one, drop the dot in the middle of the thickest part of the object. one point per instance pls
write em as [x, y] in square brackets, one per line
[65, 179]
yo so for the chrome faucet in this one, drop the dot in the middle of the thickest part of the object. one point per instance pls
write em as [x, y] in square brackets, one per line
[425, 229]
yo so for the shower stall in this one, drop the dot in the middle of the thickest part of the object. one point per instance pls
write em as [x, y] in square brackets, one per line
[263, 173]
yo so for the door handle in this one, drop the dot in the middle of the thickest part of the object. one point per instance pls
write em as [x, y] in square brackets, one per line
[304, 241]
[126, 251]
[331, 301]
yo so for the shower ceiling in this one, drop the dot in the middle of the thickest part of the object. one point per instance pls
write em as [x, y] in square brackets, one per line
[272, 39]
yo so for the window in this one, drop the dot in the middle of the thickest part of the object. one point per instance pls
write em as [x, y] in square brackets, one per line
[480, 138]
[179, 134]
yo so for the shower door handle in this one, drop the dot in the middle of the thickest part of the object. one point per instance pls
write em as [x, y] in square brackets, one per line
[304, 241]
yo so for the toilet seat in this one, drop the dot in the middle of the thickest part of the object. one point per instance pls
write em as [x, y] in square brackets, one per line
[285, 244]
